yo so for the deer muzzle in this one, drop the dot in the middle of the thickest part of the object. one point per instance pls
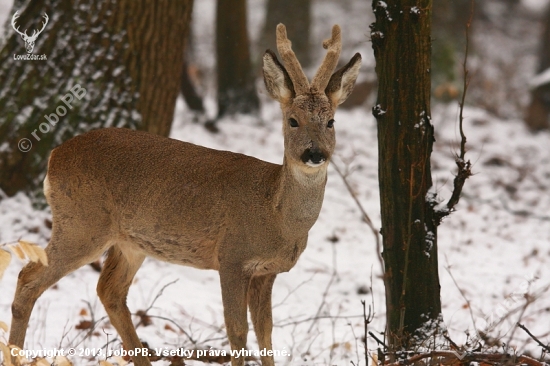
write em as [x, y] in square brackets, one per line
[313, 157]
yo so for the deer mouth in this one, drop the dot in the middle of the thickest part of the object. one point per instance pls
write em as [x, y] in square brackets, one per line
[313, 157]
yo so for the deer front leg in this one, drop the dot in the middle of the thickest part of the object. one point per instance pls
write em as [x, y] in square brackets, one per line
[234, 283]
[259, 301]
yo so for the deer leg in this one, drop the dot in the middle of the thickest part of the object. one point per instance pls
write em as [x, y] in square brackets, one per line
[114, 282]
[259, 301]
[66, 253]
[234, 283]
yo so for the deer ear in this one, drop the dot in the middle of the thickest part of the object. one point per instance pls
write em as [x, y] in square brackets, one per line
[342, 81]
[276, 79]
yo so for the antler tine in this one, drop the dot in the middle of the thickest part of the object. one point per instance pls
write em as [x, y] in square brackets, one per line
[293, 67]
[334, 46]
[15, 16]
[46, 19]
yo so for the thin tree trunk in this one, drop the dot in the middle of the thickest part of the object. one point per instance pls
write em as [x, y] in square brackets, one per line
[538, 112]
[192, 98]
[296, 15]
[236, 90]
[122, 57]
[188, 88]
[401, 43]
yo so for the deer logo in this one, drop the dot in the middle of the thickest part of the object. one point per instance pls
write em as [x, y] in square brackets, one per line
[29, 40]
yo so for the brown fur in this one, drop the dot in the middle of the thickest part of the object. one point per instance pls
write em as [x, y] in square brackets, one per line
[136, 195]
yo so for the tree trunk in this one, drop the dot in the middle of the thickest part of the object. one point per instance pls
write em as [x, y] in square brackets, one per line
[190, 95]
[188, 87]
[449, 22]
[236, 90]
[113, 63]
[296, 16]
[539, 109]
[401, 43]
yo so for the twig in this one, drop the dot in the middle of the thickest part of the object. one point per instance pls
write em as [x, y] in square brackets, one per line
[315, 318]
[464, 167]
[465, 358]
[367, 319]
[159, 294]
[293, 291]
[364, 213]
[378, 340]
[527, 303]
[177, 325]
[545, 347]
[325, 293]
[448, 269]
[356, 345]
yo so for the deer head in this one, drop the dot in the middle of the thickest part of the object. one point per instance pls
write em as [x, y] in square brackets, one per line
[308, 109]
[29, 40]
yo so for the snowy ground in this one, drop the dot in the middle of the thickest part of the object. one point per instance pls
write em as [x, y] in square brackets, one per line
[497, 239]
[495, 242]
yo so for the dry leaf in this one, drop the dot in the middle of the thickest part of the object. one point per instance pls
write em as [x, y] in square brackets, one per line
[19, 359]
[374, 357]
[27, 247]
[105, 363]
[42, 257]
[83, 312]
[347, 346]
[84, 324]
[7, 357]
[119, 360]
[34, 252]
[4, 326]
[62, 361]
[5, 258]
[17, 251]
[41, 362]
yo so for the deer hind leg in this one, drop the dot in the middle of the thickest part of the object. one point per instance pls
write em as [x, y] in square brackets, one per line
[67, 251]
[114, 282]
[259, 301]
[235, 283]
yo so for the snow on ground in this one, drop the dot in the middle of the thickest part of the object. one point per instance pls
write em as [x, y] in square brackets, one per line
[494, 244]
[498, 238]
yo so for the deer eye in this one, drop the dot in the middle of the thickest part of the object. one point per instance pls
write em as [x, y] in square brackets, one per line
[330, 123]
[292, 122]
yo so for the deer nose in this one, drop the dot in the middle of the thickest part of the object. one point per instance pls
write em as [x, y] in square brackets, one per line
[313, 157]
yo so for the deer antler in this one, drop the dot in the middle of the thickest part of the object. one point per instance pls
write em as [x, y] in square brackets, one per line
[293, 67]
[35, 33]
[15, 16]
[334, 46]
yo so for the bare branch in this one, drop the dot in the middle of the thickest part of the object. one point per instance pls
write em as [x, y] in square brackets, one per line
[545, 347]
[464, 167]
[448, 269]
[364, 213]
[466, 357]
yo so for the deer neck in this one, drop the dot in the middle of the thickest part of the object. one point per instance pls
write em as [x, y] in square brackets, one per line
[299, 196]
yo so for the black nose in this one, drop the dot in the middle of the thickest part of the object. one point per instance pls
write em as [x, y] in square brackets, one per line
[314, 156]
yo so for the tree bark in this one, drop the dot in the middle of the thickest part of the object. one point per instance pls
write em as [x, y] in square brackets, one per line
[124, 56]
[296, 16]
[539, 109]
[449, 23]
[188, 87]
[190, 95]
[401, 43]
[236, 90]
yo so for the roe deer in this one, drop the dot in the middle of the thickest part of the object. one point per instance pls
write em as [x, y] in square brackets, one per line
[137, 194]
